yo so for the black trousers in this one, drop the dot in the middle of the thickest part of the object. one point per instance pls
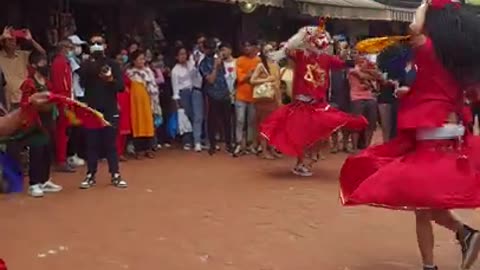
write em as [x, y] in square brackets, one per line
[219, 117]
[40, 159]
[101, 141]
[76, 142]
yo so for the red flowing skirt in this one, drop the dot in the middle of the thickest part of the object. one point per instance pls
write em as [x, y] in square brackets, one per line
[407, 174]
[295, 127]
[125, 124]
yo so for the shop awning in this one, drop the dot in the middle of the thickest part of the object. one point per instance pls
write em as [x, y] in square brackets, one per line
[355, 10]
[271, 3]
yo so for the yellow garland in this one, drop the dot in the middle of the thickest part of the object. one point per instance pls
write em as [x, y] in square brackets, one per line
[378, 44]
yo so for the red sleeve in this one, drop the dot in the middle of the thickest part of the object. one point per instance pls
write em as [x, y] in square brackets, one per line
[127, 81]
[59, 77]
[28, 89]
[336, 63]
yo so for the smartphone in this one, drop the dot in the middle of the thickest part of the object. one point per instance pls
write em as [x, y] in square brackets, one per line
[19, 33]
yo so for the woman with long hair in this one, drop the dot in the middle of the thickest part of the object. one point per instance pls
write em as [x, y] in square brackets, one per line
[189, 98]
[433, 164]
[144, 104]
[266, 72]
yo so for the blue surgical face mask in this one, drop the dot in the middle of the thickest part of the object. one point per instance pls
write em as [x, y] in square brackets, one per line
[71, 54]
[125, 59]
[96, 48]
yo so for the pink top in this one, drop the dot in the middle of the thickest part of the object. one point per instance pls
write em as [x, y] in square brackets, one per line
[312, 73]
[434, 94]
[358, 90]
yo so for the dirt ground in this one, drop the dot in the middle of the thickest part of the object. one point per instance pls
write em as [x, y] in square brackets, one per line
[186, 211]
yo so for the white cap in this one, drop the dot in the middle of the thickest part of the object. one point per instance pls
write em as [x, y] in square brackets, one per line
[76, 40]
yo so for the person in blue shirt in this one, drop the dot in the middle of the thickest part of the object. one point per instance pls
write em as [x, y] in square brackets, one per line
[218, 96]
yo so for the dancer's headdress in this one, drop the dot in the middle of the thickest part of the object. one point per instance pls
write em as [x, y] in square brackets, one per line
[318, 37]
[440, 4]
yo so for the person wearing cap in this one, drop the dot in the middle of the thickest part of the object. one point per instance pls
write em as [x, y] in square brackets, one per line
[76, 140]
[61, 78]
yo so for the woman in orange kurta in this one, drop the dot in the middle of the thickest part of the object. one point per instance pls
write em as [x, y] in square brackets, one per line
[141, 110]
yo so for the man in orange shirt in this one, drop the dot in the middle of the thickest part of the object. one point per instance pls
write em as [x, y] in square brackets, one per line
[244, 107]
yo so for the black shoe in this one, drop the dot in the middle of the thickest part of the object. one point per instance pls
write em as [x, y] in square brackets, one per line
[212, 151]
[88, 182]
[470, 245]
[118, 181]
[430, 268]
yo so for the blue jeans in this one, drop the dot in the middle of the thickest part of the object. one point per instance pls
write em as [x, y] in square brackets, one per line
[192, 101]
[245, 113]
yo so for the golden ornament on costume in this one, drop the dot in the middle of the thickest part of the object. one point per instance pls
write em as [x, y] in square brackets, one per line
[315, 75]
[378, 44]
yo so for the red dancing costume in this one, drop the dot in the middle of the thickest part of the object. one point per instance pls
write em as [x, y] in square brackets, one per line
[419, 169]
[296, 127]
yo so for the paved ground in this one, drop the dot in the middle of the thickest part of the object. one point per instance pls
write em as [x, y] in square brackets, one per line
[187, 211]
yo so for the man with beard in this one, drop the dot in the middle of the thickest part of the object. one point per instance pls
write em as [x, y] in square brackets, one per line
[102, 79]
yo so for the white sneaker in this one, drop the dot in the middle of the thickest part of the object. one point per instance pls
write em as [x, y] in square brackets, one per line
[167, 145]
[198, 148]
[36, 191]
[51, 187]
[187, 147]
[75, 161]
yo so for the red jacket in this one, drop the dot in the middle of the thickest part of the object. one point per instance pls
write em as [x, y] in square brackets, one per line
[61, 76]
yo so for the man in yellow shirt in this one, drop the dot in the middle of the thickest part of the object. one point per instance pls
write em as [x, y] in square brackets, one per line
[244, 107]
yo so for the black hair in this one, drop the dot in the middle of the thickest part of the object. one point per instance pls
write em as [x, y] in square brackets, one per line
[393, 60]
[134, 55]
[63, 44]
[455, 33]
[225, 45]
[35, 57]
[210, 44]
[201, 35]
[263, 57]
[252, 42]
[178, 49]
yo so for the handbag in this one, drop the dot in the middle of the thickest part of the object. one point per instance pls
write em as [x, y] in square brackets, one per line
[264, 90]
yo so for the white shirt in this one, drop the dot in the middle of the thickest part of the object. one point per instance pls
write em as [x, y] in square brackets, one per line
[231, 75]
[78, 91]
[197, 79]
[182, 79]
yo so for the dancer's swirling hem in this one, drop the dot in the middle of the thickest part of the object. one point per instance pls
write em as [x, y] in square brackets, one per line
[434, 163]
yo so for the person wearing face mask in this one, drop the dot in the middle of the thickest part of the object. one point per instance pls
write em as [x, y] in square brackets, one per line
[40, 149]
[102, 79]
[61, 76]
[76, 139]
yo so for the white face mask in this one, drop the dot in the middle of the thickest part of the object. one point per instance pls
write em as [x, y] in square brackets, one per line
[96, 48]
[78, 50]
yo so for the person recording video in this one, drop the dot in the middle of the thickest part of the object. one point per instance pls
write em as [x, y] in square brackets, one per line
[102, 79]
[218, 96]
